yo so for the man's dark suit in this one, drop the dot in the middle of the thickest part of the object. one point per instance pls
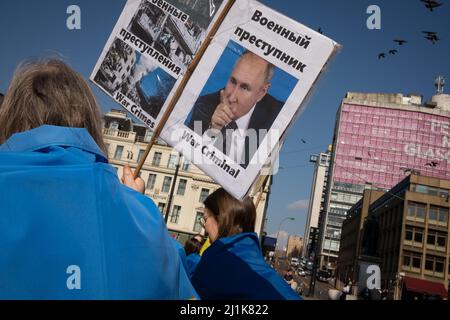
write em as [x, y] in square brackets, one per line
[262, 118]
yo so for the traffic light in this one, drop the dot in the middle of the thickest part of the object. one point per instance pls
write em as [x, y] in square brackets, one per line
[313, 240]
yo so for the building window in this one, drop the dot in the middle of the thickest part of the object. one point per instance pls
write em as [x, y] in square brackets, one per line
[418, 235]
[430, 190]
[140, 155]
[443, 193]
[408, 234]
[118, 153]
[414, 235]
[186, 165]
[429, 264]
[437, 240]
[416, 261]
[129, 154]
[438, 215]
[148, 135]
[173, 160]
[166, 184]
[439, 266]
[161, 207]
[181, 187]
[411, 261]
[175, 214]
[114, 125]
[434, 265]
[203, 195]
[443, 216]
[441, 240]
[416, 211]
[156, 159]
[151, 181]
[198, 225]
[433, 214]
[407, 260]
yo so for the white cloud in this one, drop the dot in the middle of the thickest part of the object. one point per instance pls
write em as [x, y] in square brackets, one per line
[299, 205]
[144, 67]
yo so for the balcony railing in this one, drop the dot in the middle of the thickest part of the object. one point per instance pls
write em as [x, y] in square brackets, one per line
[129, 135]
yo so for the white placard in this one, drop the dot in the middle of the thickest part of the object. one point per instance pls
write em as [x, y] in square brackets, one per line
[147, 53]
[246, 91]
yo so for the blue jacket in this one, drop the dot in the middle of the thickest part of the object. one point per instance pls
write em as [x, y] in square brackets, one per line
[234, 268]
[70, 230]
[181, 253]
[192, 261]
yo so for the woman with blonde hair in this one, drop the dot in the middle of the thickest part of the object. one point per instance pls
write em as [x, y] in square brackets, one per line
[233, 267]
[68, 228]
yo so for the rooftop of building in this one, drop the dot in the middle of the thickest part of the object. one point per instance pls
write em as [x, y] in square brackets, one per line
[399, 190]
[125, 123]
[439, 104]
[357, 208]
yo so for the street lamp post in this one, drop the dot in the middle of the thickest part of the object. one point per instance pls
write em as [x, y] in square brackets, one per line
[279, 227]
[169, 203]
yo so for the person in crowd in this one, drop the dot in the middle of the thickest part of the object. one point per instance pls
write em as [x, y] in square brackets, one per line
[384, 294]
[199, 238]
[206, 245]
[68, 228]
[346, 290]
[288, 276]
[233, 267]
[192, 249]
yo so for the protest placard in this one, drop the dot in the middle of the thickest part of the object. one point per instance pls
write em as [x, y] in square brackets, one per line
[152, 44]
[246, 91]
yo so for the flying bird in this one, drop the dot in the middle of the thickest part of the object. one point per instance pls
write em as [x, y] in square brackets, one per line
[400, 41]
[432, 164]
[303, 140]
[393, 51]
[432, 36]
[431, 4]
[381, 55]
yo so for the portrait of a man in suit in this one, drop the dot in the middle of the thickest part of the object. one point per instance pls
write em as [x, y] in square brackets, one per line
[239, 115]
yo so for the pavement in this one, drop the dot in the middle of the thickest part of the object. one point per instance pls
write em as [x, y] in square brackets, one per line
[321, 288]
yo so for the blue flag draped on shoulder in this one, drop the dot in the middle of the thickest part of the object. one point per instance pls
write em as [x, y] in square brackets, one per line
[234, 268]
[70, 230]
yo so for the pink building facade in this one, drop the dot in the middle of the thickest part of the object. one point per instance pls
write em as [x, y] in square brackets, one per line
[378, 140]
[380, 145]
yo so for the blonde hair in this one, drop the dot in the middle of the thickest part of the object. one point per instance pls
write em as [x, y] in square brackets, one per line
[48, 92]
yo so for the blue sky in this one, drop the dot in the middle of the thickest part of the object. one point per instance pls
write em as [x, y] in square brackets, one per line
[38, 28]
